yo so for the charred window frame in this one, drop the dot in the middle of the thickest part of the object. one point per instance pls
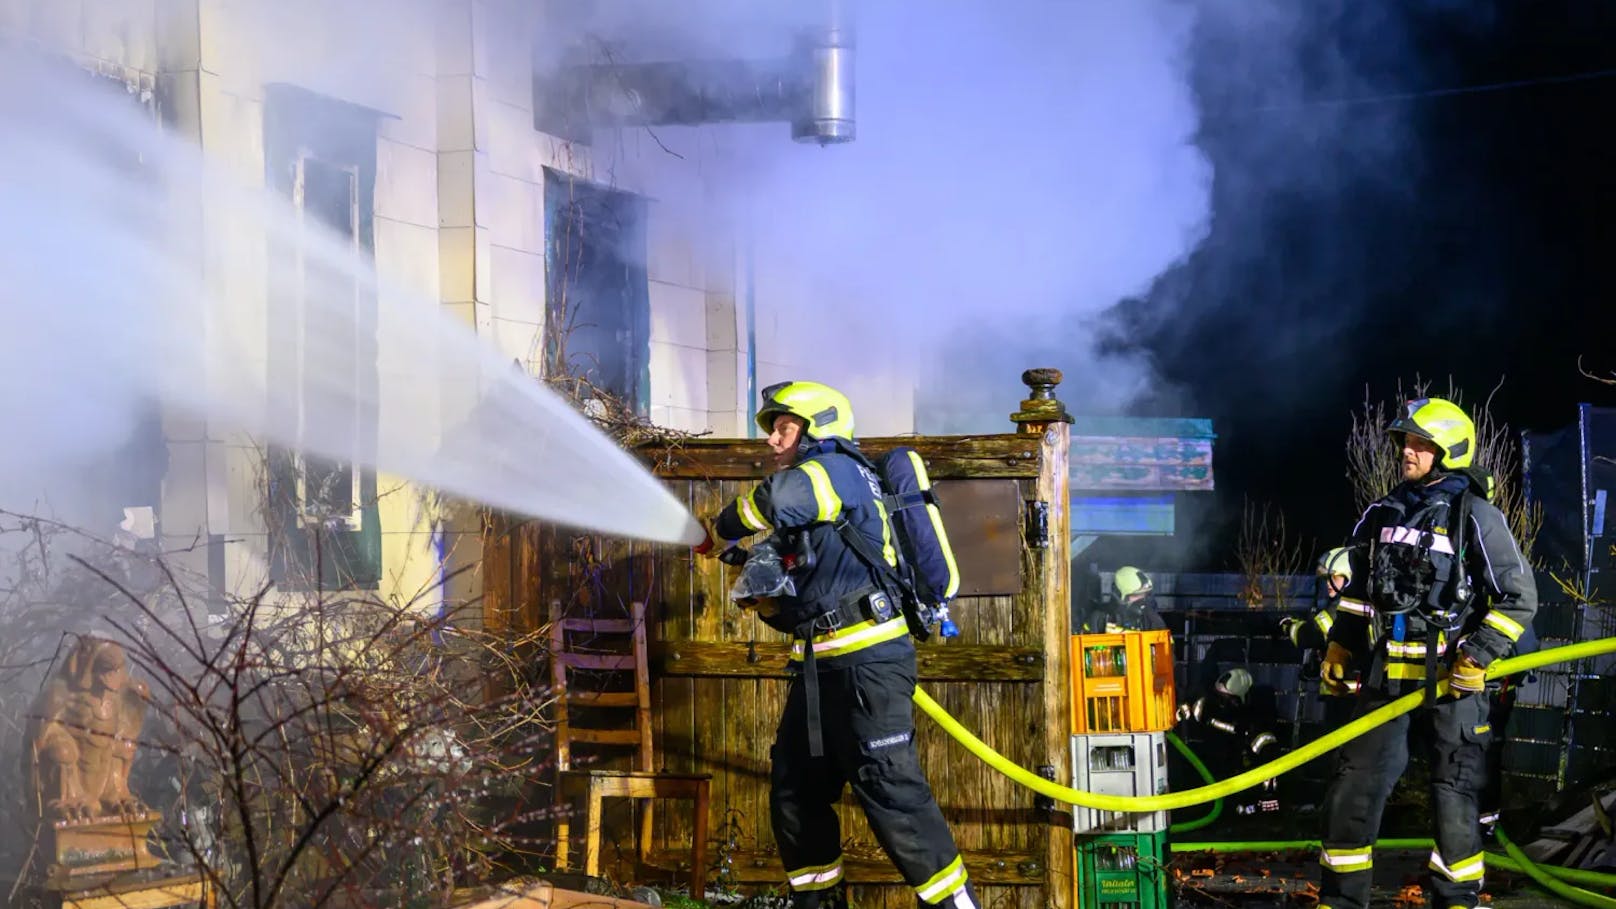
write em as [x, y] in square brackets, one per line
[598, 305]
[324, 523]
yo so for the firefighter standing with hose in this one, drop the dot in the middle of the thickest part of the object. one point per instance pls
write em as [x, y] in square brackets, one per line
[1438, 590]
[849, 715]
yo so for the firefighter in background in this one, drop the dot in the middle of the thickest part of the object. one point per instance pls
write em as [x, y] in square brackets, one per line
[849, 715]
[1438, 590]
[1312, 635]
[1238, 741]
[1132, 605]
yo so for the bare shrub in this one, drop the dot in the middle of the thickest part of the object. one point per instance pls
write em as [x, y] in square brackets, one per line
[306, 750]
[1268, 556]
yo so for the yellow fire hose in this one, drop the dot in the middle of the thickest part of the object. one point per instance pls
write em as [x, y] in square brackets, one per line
[1285, 763]
[1256, 775]
[1543, 879]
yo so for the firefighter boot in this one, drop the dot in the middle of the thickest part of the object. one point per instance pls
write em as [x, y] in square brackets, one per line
[833, 897]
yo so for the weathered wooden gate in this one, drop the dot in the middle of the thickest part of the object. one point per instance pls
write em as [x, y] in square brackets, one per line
[719, 673]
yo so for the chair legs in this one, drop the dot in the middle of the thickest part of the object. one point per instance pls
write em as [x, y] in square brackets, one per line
[645, 829]
[563, 834]
[597, 793]
[592, 831]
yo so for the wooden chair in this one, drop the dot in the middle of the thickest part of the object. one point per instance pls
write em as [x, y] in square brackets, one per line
[609, 648]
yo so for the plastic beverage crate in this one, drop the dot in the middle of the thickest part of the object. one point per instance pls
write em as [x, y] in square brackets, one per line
[1122, 682]
[1122, 871]
[1127, 764]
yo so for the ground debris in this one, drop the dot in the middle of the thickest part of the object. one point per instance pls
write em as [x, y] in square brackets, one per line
[1410, 895]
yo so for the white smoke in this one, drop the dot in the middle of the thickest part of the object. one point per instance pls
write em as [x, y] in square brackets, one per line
[1018, 167]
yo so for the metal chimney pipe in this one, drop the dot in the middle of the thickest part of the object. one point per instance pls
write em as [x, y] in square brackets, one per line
[811, 88]
[826, 53]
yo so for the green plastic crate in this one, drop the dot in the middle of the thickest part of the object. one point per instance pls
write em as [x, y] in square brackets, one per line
[1122, 871]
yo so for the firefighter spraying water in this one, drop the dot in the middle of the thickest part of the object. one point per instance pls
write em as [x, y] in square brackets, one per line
[855, 562]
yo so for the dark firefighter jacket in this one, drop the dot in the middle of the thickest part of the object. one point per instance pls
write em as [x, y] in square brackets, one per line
[1232, 716]
[1416, 514]
[832, 484]
[1113, 616]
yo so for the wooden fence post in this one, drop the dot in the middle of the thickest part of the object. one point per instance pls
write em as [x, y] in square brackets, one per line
[1043, 414]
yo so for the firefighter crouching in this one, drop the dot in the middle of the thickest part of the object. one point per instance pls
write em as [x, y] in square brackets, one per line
[1438, 590]
[849, 717]
[1239, 742]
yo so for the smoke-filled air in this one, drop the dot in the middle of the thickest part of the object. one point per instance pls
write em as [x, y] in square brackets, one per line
[1018, 168]
[116, 301]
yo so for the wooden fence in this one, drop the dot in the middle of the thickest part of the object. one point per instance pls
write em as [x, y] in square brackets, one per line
[719, 674]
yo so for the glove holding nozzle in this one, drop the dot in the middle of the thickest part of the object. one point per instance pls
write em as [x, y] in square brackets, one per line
[1333, 671]
[707, 544]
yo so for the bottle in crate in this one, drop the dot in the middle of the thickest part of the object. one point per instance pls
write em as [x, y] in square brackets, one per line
[1122, 871]
[1130, 764]
[1122, 682]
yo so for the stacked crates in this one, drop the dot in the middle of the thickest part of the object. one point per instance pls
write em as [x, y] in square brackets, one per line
[1123, 703]
[1121, 871]
[1122, 682]
[1127, 764]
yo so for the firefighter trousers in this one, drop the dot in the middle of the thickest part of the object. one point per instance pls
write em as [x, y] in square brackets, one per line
[1492, 794]
[867, 719]
[1369, 766]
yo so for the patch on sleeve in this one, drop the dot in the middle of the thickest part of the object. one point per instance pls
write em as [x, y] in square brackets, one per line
[901, 738]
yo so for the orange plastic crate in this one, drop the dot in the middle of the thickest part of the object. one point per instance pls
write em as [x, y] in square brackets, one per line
[1122, 682]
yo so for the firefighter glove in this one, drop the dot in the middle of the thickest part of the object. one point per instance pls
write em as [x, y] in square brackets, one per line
[1333, 671]
[1468, 676]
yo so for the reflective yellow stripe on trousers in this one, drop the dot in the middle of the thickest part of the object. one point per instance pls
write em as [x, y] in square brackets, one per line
[944, 882]
[815, 877]
[1345, 861]
[1471, 869]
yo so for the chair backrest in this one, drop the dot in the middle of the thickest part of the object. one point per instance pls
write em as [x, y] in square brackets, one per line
[599, 666]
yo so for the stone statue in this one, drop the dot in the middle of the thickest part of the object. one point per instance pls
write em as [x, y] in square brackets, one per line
[82, 734]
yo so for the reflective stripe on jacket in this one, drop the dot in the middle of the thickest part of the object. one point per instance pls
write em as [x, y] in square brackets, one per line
[809, 498]
[1504, 592]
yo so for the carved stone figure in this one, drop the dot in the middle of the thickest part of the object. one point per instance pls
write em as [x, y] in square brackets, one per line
[82, 734]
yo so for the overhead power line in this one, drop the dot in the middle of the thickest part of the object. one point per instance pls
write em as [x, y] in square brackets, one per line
[1484, 88]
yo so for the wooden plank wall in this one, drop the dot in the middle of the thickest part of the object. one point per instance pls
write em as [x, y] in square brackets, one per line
[719, 677]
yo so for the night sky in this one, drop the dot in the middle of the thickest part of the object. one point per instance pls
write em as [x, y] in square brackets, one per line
[1362, 236]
